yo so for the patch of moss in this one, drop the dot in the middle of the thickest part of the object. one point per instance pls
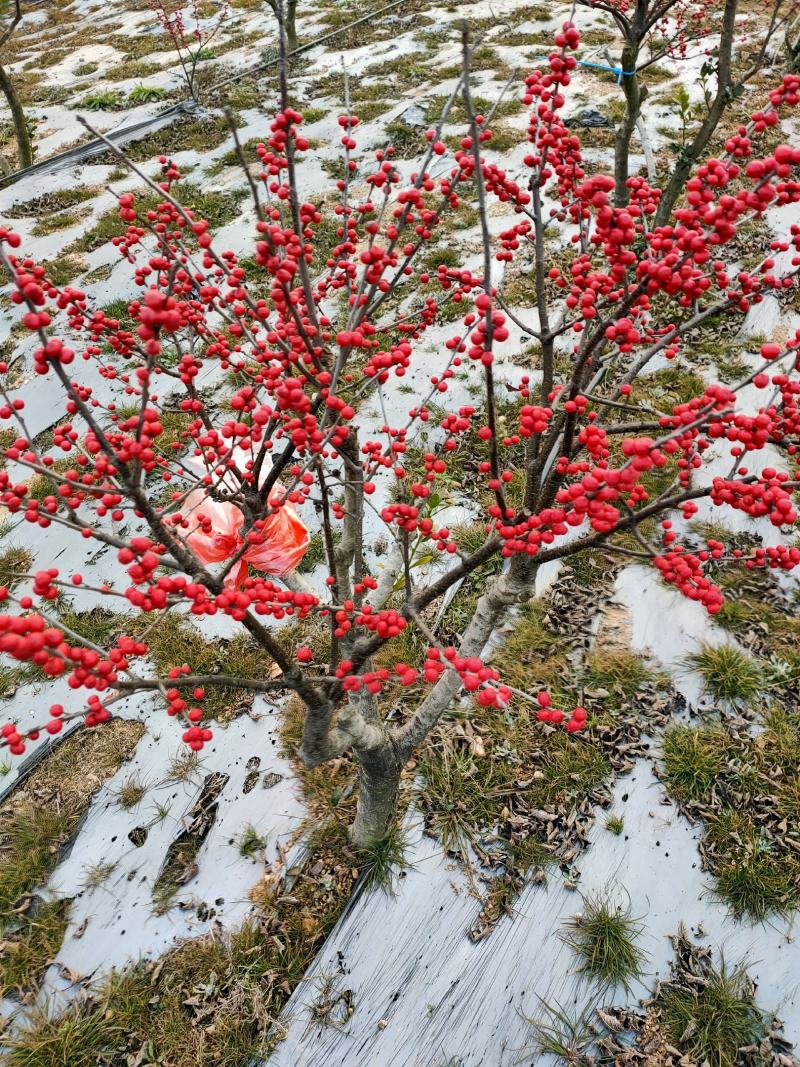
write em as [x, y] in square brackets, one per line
[185, 134]
[407, 141]
[65, 269]
[174, 641]
[53, 223]
[488, 778]
[218, 208]
[47, 204]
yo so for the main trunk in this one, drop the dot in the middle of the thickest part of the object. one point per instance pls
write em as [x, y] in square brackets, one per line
[291, 25]
[381, 753]
[378, 784]
[24, 147]
[633, 105]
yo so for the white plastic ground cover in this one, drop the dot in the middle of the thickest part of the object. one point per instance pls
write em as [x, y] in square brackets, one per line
[424, 995]
[57, 125]
[115, 922]
[667, 626]
[121, 924]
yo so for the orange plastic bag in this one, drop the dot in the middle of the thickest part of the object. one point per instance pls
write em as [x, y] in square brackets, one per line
[286, 540]
[215, 534]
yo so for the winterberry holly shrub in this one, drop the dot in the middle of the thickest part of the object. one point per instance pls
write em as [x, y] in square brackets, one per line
[191, 44]
[343, 345]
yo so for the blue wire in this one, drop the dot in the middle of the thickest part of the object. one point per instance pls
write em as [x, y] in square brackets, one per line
[598, 66]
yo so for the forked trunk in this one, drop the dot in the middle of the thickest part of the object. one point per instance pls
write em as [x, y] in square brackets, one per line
[380, 766]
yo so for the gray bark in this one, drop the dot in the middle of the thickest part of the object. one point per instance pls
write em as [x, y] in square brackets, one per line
[288, 17]
[24, 147]
[378, 784]
[513, 587]
[291, 25]
[381, 753]
[634, 98]
[683, 165]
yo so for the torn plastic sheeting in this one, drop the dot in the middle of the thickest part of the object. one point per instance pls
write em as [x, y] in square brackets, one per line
[121, 922]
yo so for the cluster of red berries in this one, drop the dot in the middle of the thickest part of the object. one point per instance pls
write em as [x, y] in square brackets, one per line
[556, 717]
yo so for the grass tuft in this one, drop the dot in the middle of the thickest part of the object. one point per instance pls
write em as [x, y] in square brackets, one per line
[711, 1022]
[383, 862]
[743, 784]
[145, 94]
[693, 759]
[176, 641]
[728, 673]
[701, 1014]
[103, 100]
[131, 792]
[97, 873]
[564, 1032]
[604, 938]
[251, 842]
[14, 563]
[29, 949]
[751, 873]
[53, 223]
[615, 824]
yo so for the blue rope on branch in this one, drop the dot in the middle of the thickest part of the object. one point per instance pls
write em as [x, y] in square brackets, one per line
[620, 73]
